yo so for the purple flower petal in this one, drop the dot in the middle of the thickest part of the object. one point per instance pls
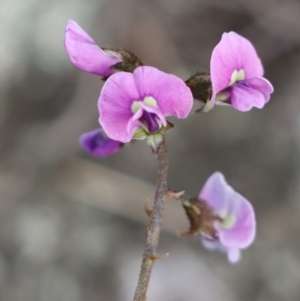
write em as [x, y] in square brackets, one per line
[212, 244]
[233, 53]
[234, 255]
[242, 233]
[216, 192]
[116, 98]
[85, 54]
[244, 98]
[134, 122]
[96, 144]
[151, 121]
[237, 229]
[171, 93]
[260, 84]
[156, 111]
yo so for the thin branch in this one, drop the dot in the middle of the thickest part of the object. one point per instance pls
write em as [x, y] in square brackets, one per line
[154, 227]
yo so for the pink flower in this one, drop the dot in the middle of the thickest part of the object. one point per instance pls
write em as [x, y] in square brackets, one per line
[237, 74]
[235, 229]
[86, 55]
[98, 145]
[140, 101]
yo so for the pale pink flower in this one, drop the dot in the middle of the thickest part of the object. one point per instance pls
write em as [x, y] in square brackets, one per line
[235, 229]
[237, 75]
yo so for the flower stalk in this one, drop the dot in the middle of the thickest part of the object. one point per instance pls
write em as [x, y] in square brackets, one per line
[154, 227]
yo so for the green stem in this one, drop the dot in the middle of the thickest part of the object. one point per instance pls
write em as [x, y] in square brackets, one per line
[154, 227]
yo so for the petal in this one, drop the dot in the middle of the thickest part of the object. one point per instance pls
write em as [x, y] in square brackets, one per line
[234, 255]
[262, 85]
[133, 122]
[85, 54]
[233, 53]
[244, 98]
[212, 244]
[96, 144]
[228, 203]
[170, 92]
[114, 104]
[217, 193]
[155, 111]
[242, 233]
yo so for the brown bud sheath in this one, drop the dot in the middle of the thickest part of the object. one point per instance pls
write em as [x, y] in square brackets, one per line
[129, 61]
[200, 85]
[201, 217]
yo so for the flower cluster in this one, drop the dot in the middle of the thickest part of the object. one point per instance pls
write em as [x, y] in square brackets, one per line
[135, 101]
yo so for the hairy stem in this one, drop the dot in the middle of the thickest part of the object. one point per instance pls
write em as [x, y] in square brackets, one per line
[153, 230]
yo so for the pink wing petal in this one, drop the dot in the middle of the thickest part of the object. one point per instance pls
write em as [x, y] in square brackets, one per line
[242, 234]
[85, 54]
[114, 104]
[262, 85]
[244, 98]
[171, 93]
[233, 53]
[134, 122]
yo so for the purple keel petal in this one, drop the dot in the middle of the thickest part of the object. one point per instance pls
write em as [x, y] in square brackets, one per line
[116, 98]
[171, 93]
[155, 111]
[262, 85]
[244, 98]
[96, 144]
[85, 54]
[233, 53]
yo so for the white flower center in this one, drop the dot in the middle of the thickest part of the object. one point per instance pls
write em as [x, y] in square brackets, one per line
[227, 220]
[236, 76]
[148, 101]
[222, 96]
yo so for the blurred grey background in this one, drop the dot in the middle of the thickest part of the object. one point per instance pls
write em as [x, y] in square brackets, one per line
[72, 228]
